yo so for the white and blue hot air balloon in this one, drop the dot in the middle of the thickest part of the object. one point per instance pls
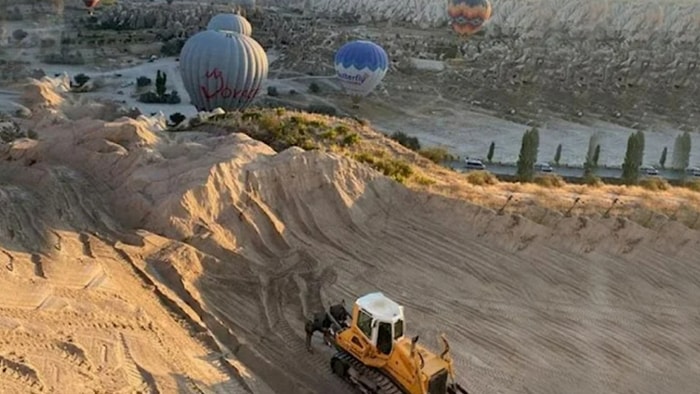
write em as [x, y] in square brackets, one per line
[222, 69]
[360, 66]
[230, 22]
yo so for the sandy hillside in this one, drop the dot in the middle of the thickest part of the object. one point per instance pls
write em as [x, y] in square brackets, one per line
[137, 260]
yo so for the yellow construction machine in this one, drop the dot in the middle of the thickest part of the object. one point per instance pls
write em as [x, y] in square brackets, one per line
[375, 356]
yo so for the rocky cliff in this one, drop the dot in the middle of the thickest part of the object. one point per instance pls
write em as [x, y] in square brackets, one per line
[640, 18]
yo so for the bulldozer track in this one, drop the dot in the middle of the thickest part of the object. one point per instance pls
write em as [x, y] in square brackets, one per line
[384, 384]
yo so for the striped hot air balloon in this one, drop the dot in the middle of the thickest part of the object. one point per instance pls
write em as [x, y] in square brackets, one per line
[230, 22]
[360, 66]
[222, 69]
[468, 16]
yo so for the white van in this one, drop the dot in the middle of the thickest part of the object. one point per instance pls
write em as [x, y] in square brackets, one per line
[543, 167]
[692, 171]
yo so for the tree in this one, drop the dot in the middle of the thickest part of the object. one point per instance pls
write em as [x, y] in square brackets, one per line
[314, 88]
[633, 158]
[161, 80]
[19, 34]
[81, 79]
[143, 81]
[591, 159]
[177, 118]
[662, 160]
[492, 148]
[528, 155]
[681, 151]
[596, 155]
[557, 155]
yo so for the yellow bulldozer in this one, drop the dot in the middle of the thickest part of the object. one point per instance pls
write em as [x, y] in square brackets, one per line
[374, 355]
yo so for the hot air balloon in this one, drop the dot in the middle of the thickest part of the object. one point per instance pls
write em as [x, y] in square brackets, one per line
[468, 16]
[90, 4]
[222, 69]
[230, 22]
[360, 66]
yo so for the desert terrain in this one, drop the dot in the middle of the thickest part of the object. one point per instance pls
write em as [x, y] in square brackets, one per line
[141, 257]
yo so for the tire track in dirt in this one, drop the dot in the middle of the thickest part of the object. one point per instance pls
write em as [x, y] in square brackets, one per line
[67, 350]
[199, 334]
[138, 378]
[320, 238]
[22, 373]
[283, 339]
[491, 275]
[191, 325]
[306, 365]
[217, 330]
[425, 237]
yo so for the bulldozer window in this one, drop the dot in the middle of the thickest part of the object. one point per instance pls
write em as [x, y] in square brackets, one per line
[398, 329]
[384, 338]
[364, 323]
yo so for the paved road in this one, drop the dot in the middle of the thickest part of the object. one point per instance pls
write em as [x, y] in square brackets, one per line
[510, 169]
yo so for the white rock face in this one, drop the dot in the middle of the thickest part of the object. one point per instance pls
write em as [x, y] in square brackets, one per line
[633, 17]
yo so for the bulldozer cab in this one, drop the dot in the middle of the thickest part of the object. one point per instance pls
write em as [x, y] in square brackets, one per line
[381, 320]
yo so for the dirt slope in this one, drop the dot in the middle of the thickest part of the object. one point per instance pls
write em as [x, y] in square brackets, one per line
[139, 260]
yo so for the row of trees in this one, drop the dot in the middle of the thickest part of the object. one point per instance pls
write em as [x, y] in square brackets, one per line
[630, 167]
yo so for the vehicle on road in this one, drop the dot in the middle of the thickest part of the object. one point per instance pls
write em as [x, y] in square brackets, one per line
[474, 164]
[543, 167]
[375, 355]
[649, 171]
[692, 171]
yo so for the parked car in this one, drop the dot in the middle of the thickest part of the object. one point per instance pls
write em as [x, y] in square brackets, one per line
[649, 170]
[692, 171]
[474, 164]
[543, 167]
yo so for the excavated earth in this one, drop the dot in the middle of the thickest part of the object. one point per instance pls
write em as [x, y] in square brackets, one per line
[137, 260]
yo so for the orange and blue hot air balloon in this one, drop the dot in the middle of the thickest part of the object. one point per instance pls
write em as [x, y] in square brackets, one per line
[468, 16]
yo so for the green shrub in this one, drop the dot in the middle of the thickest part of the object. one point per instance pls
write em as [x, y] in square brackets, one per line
[329, 135]
[270, 123]
[314, 88]
[550, 180]
[593, 181]
[397, 169]
[481, 178]
[693, 185]
[319, 124]
[404, 139]
[254, 115]
[81, 79]
[351, 139]
[424, 180]
[342, 129]
[436, 155]
[655, 184]
[177, 118]
[323, 109]
[143, 81]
